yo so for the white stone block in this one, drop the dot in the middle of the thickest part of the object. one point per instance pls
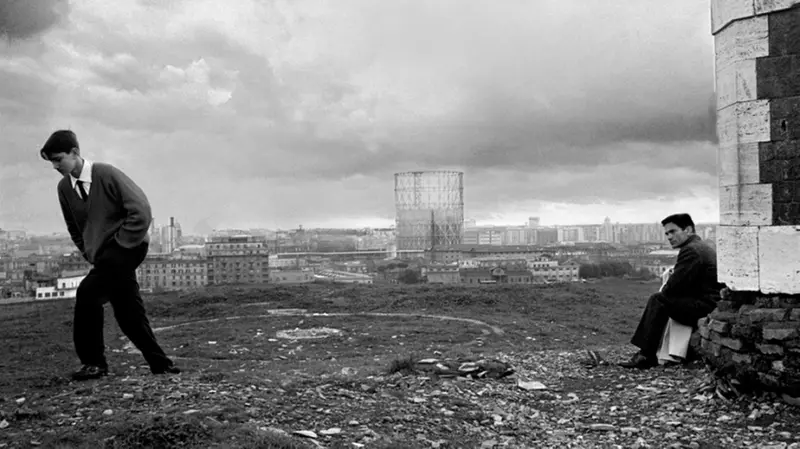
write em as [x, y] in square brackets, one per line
[742, 40]
[778, 261]
[746, 122]
[745, 205]
[738, 164]
[724, 12]
[736, 83]
[768, 6]
[737, 257]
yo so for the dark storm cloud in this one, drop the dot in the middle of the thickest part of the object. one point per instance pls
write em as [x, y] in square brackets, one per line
[23, 19]
[25, 98]
[553, 100]
[532, 93]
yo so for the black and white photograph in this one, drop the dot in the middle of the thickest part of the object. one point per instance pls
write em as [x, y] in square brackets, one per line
[400, 224]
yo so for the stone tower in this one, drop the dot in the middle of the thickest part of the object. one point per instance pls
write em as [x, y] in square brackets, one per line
[755, 333]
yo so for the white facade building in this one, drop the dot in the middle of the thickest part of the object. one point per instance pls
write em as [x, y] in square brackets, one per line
[65, 288]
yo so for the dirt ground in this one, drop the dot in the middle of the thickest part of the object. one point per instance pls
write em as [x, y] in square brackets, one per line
[243, 385]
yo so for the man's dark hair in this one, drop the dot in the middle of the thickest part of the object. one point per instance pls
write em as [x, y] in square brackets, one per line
[61, 141]
[682, 221]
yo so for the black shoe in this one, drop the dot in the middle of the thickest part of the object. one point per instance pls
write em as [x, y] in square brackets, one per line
[167, 370]
[640, 361]
[88, 372]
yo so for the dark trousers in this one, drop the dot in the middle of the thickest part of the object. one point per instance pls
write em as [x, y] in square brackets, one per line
[659, 310]
[113, 279]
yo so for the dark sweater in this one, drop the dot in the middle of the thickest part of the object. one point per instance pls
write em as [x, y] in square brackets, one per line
[695, 274]
[117, 209]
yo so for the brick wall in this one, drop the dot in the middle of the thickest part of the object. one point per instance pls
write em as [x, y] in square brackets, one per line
[756, 335]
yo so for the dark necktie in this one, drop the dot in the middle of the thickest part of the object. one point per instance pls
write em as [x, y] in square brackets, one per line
[84, 196]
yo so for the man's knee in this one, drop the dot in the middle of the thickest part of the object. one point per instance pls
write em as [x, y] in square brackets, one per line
[89, 288]
[657, 298]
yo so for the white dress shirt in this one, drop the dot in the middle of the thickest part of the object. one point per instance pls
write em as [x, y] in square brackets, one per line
[85, 176]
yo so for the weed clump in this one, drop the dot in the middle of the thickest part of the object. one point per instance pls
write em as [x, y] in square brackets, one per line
[402, 365]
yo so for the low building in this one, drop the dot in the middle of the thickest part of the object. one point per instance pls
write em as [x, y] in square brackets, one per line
[540, 262]
[497, 275]
[443, 274]
[66, 287]
[513, 263]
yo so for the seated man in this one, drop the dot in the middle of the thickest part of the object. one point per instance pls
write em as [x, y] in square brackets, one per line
[689, 294]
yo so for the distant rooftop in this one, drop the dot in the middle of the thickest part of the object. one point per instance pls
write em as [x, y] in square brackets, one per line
[664, 252]
[489, 248]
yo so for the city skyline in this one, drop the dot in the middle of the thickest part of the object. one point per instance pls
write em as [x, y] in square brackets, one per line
[158, 227]
[275, 115]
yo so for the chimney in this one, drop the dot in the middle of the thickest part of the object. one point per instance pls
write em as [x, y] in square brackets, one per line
[171, 234]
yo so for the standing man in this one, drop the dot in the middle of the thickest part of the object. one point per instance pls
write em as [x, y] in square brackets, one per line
[690, 293]
[108, 217]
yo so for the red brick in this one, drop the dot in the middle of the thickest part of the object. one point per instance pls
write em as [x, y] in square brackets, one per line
[782, 192]
[784, 121]
[774, 67]
[775, 171]
[777, 77]
[787, 150]
[784, 34]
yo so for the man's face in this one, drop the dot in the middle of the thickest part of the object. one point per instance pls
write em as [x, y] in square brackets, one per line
[66, 163]
[676, 235]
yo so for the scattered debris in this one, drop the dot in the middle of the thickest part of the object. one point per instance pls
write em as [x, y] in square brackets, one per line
[308, 334]
[306, 433]
[531, 385]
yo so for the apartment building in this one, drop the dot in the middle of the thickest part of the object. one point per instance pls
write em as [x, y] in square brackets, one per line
[162, 273]
[242, 259]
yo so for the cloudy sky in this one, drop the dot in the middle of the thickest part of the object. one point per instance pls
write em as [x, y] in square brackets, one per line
[261, 113]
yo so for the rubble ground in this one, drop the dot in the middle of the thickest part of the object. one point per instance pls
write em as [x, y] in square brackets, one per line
[243, 387]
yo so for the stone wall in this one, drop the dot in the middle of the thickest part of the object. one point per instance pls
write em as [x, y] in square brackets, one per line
[754, 334]
[755, 339]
